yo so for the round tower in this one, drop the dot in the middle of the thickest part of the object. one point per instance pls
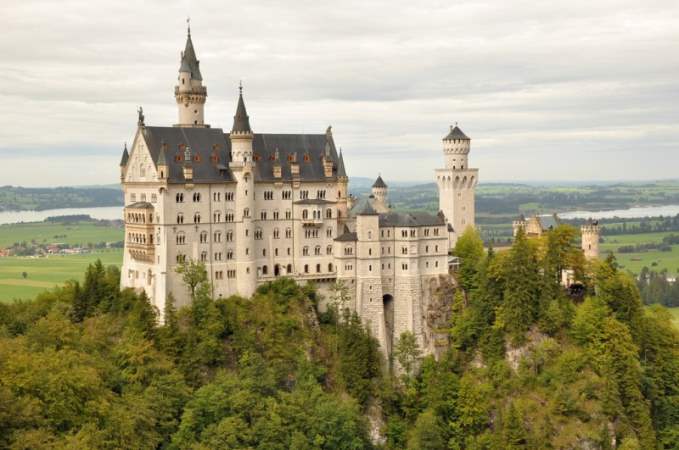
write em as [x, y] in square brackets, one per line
[379, 193]
[456, 149]
[457, 184]
[519, 224]
[242, 168]
[190, 92]
[590, 239]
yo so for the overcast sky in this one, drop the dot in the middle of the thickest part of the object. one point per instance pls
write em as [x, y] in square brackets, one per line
[577, 90]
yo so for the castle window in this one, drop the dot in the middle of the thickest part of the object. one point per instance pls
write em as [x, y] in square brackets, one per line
[203, 256]
[289, 269]
[318, 268]
[328, 232]
[305, 214]
[262, 215]
[196, 197]
[203, 237]
[180, 218]
[328, 249]
[306, 268]
[258, 233]
[404, 233]
[436, 231]
[228, 217]
[370, 251]
[229, 236]
[229, 254]
[228, 196]
[328, 213]
[263, 252]
[246, 212]
[231, 273]
[265, 270]
[305, 251]
[218, 256]
[288, 214]
[287, 195]
[317, 250]
[181, 258]
[303, 195]
[196, 218]
[288, 233]
[217, 216]
[275, 251]
[289, 251]
[370, 234]
[268, 195]
[276, 233]
[180, 239]
[370, 269]
[275, 215]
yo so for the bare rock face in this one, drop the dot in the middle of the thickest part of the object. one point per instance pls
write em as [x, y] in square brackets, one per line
[437, 299]
[514, 355]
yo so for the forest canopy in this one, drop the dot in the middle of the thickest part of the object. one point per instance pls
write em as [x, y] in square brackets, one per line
[530, 365]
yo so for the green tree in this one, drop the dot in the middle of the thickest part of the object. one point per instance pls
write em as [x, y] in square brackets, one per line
[407, 353]
[193, 275]
[469, 248]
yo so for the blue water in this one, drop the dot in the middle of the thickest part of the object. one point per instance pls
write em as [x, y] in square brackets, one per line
[105, 212]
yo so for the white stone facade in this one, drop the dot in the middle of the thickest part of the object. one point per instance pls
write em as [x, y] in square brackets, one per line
[255, 207]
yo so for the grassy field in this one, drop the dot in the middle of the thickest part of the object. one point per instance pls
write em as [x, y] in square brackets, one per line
[45, 273]
[634, 262]
[44, 232]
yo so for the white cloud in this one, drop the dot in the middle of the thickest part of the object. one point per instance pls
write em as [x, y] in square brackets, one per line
[547, 90]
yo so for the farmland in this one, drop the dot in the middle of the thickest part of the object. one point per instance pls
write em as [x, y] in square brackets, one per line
[46, 272]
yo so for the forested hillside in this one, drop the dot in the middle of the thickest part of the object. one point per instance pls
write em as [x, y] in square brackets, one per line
[530, 365]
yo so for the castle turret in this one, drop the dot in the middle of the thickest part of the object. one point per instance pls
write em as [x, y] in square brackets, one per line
[190, 92]
[123, 162]
[590, 239]
[242, 167]
[379, 193]
[344, 203]
[519, 224]
[457, 184]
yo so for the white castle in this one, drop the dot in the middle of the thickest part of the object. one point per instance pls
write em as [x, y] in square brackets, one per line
[257, 206]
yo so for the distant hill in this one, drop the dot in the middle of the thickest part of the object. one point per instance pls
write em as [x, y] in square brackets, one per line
[14, 198]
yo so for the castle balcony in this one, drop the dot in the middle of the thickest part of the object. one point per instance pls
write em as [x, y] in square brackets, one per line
[141, 252]
[310, 222]
[202, 90]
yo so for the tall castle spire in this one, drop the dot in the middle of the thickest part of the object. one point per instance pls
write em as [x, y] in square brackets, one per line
[241, 121]
[190, 92]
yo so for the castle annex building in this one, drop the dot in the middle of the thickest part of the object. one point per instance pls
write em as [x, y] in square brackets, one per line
[256, 206]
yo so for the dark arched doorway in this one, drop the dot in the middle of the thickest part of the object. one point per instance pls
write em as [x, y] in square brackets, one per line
[388, 303]
[276, 270]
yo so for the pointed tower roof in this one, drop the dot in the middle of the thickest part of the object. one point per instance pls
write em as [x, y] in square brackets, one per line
[456, 133]
[379, 183]
[189, 62]
[341, 171]
[126, 156]
[366, 210]
[241, 121]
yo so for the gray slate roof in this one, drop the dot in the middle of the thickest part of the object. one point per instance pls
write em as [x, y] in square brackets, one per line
[414, 219]
[189, 62]
[549, 221]
[341, 171]
[140, 205]
[347, 236]
[125, 157]
[207, 143]
[364, 208]
[456, 133]
[379, 183]
[241, 121]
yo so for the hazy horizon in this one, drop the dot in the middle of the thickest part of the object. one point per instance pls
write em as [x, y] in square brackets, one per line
[548, 92]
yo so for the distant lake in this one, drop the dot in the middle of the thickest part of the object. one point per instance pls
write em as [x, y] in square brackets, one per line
[103, 212]
[628, 213]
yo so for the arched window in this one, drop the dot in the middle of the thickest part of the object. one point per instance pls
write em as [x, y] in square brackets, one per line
[265, 270]
[317, 250]
[306, 268]
[305, 214]
[328, 213]
[305, 251]
[329, 267]
[328, 250]
[318, 268]
[288, 270]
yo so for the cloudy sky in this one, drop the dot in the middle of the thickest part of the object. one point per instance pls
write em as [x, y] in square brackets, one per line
[577, 90]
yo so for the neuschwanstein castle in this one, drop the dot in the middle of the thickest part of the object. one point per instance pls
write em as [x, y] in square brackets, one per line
[256, 206]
